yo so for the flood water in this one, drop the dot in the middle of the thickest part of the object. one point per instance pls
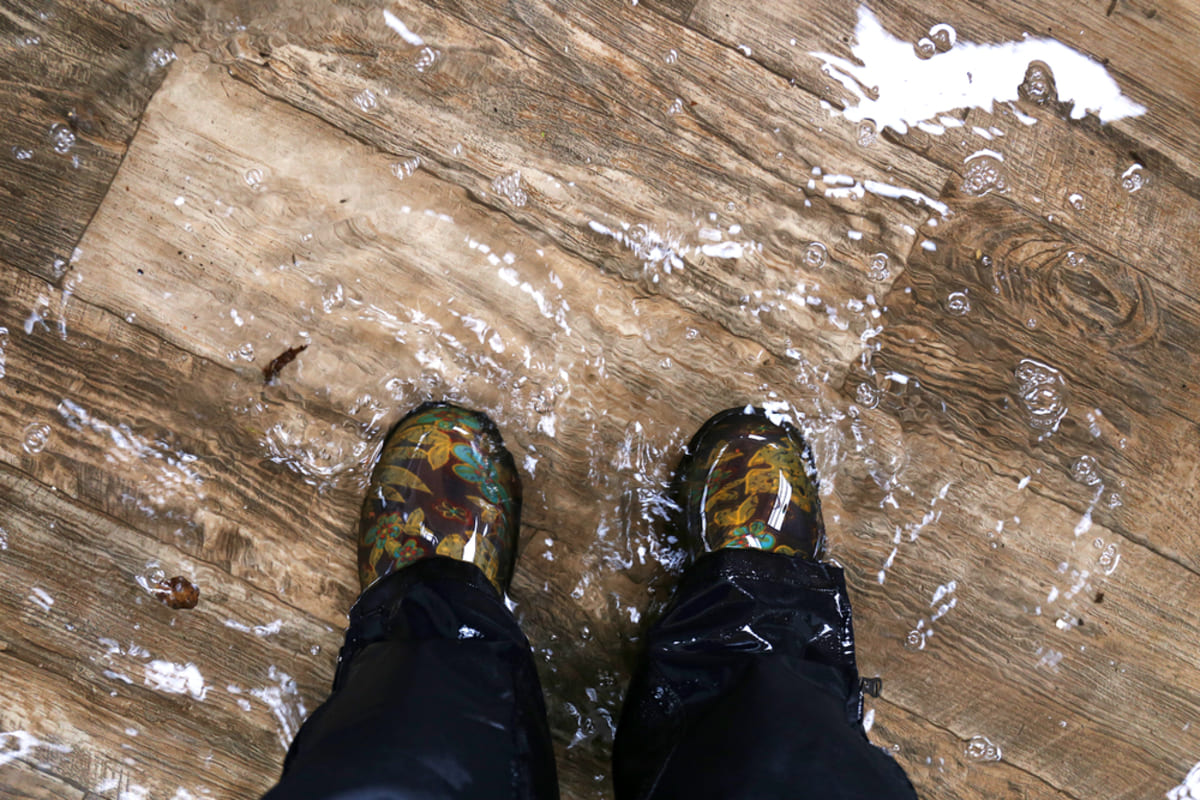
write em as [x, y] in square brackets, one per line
[971, 480]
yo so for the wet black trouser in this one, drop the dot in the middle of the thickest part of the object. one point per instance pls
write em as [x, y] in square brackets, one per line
[747, 688]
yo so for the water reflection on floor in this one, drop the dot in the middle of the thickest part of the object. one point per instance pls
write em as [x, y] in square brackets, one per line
[599, 346]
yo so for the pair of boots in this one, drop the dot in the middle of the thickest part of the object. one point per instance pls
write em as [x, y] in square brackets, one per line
[747, 686]
[445, 485]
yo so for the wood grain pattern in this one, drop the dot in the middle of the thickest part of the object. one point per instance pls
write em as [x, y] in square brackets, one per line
[596, 222]
[76, 77]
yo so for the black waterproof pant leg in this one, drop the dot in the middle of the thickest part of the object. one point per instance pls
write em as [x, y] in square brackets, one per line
[748, 689]
[435, 696]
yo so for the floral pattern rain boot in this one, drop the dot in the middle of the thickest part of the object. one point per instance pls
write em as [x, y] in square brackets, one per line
[444, 485]
[746, 482]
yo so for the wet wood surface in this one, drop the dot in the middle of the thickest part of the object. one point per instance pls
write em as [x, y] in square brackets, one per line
[600, 224]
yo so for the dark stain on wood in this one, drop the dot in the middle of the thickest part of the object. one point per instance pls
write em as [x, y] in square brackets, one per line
[271, 371]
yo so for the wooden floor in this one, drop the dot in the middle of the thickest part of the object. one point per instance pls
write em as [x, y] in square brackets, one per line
[600, 222]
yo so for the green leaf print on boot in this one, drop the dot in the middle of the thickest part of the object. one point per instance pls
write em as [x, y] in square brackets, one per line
[444, 485]
[747, 482]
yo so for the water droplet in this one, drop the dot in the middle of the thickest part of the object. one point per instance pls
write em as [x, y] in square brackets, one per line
[815, 255]
[333, 298]
[246, 352]
[984, 174]
[254, 178]
[672, 56]
[1043, 393]
[1076, 201]
[1038, 85]
[1031, 323]
[867, 395]
[29, 40]
[1114, 500]
[980, 748]
[366, 100]
[676, 107]
[925, 48]
[915, 640]
[405, 169]
[958, 303]
[62, 138]
[867, 133]
[160, 57]
[1133, 178]
[34, 437]
[509, 187]
[1084, 470]
[943, 36]
[3, 347]
[426, 59]
[878, 269]
[1109, 559]
[22, 153]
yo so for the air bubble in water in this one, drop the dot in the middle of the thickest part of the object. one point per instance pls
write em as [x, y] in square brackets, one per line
[34, 437]
[915, 640]
[1042, 391]
[1038, 85]
[676, 107]
[365, 100]
[160, 57]
[62, 138]
[246, 352]
[958, 304]
[867, 133]
[926, 48]
[1084, 470]
[815, 255]
[405, 169]
[426, 59]
[509, 187]
[254, 178]
[3, 347]
[1133, 179]
[984, 174]
[333, 298]
[672, 56]
[1109, 559]
[878, 270]
[22, 153]
[1076, 201]
[943, 36]
[980, 748]
[867, 395]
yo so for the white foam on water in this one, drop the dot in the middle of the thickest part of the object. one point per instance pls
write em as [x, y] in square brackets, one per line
[394, 22]
[897, 88]
[1189, 789]
[172, 678]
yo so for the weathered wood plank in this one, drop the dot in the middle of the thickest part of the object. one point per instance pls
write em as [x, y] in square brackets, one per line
[76, 77]
[660, 173]
[240, 226]
[1119, 348]
[1161, 77]
[1077, 174]
[116, 690]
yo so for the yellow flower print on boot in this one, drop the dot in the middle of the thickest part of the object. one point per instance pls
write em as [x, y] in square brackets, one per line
[747, 482]
[444, 485]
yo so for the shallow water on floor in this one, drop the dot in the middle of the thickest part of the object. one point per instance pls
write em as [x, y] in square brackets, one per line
[400, 288]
